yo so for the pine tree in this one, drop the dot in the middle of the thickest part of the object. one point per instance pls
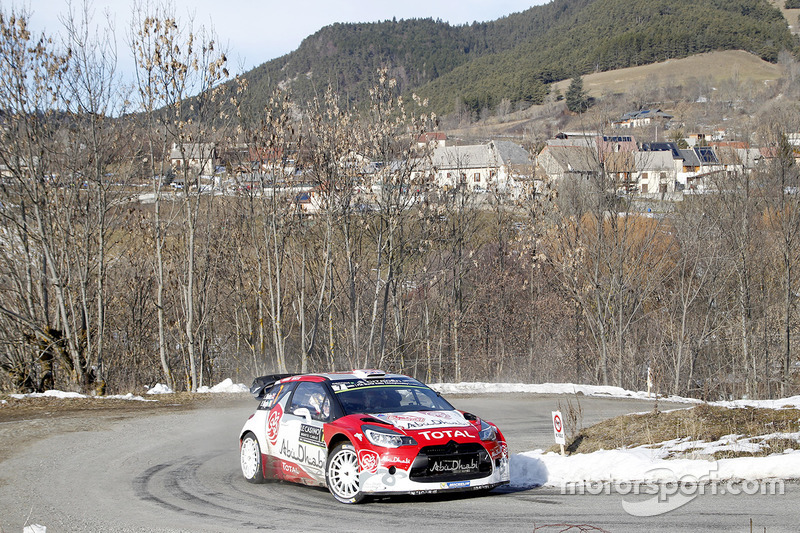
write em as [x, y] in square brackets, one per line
[577, 98]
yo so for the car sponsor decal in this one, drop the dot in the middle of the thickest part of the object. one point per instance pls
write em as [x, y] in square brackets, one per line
[454, 484]
[446, 433]
[340, 386]
[272, 424]
[454, 466]
[395, 460]
[311, 434]
[369, 460]
[290, 469]
[424, 419]
[314, 457]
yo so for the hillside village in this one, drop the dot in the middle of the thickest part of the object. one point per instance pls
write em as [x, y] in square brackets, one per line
[665, 170]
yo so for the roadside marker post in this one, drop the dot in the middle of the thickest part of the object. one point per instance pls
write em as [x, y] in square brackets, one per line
[558, 430]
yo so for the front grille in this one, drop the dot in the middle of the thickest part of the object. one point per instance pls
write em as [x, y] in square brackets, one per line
[451, 462]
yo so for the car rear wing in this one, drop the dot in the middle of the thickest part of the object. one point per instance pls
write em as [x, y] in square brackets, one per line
[263, 383]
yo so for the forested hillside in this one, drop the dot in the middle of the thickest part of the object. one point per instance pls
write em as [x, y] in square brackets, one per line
[516, 57]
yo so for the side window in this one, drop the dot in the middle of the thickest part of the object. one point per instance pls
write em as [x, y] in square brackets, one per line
[275, 395]
[315, 398]
[286, 388]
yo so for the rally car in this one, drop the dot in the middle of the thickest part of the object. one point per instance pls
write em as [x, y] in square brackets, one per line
[367, 433]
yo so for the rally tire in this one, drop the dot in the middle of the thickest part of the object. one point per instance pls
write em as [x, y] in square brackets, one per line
[250, 459]
[342, 474]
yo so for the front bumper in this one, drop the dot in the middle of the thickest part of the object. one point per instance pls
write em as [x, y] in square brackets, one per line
[413, 478]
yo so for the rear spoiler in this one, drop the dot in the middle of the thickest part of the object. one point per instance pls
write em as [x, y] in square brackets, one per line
[261, 384]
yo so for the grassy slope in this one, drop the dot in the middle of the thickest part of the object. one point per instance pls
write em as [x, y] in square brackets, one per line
[704, 422]
[714, 65]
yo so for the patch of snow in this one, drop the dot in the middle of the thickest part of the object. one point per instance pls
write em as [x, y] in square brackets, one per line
[552, 388]
[69, 395]
[34, 528]
[537, 468]
[226, 386]
[159, 388]
[48, 394]
[601, 391]
[792, 402]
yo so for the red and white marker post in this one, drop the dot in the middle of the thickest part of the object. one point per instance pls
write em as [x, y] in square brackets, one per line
[558, 430]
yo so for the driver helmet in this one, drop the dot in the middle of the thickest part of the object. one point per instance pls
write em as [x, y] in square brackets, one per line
[320, 405]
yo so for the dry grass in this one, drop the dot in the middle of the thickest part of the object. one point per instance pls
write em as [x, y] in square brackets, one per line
[35, 408]
[716, 66]
[702, 423]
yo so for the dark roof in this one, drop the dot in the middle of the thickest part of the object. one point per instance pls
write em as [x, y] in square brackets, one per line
[512, 154]
[706, 155]
[662, 147]
[690, 158]
[646, 113]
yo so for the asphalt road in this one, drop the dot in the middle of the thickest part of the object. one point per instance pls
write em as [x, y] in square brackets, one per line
[179, 472]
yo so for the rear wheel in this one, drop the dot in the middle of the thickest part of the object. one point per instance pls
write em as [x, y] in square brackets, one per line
[250, 455]
[342, 474]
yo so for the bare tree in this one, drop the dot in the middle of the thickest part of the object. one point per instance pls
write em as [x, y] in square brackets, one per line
[36, 210]
[783, 219]
[183, 70]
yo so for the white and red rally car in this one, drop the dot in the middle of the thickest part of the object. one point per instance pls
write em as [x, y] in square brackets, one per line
[368, 433]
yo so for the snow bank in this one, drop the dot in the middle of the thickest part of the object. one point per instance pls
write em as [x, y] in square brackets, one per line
[159, 388]
[652, 463]
[550, 388]
[537, 468]
[67, 395]
[226, 386]
[600, 391]
[784, 403]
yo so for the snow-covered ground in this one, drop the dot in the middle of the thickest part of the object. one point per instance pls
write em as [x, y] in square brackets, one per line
[640, 465]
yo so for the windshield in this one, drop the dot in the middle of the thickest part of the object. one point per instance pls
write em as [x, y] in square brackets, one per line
[389, 399]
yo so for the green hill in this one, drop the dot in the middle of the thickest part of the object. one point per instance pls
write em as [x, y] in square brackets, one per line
[518, 56]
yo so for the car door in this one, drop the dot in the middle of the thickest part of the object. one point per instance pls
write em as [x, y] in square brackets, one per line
[300, 444]
[275, 403]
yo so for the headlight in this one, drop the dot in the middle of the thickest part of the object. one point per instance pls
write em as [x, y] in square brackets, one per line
[387, 438]
[488, 432]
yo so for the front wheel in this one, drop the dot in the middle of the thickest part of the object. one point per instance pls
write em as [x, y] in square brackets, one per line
[342, 474]
[250, 455]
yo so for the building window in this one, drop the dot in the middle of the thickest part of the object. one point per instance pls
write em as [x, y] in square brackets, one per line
[477, 177]
[644, 188]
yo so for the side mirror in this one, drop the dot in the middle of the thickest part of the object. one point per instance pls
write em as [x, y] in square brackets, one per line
[303, 411]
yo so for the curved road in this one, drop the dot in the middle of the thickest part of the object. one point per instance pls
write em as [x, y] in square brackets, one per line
[179, 472]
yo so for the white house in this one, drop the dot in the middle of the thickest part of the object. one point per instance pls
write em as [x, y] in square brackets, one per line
[480, 167]
[198, 158]
[656, 173]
